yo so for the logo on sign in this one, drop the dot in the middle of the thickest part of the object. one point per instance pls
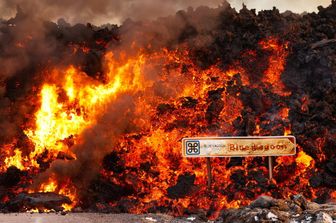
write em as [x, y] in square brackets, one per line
[193, 148]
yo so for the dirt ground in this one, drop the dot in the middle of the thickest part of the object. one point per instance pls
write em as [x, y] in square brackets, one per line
[91, 218]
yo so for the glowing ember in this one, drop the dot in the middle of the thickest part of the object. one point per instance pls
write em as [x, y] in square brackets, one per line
[304, 159]
[277, 62]
[15, 160]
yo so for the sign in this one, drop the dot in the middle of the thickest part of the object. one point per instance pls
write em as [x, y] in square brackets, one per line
[239, 146]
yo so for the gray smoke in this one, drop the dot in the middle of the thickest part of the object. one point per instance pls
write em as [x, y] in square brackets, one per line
[101, 11]
[29, 43]
[116, 11]
[94, 144]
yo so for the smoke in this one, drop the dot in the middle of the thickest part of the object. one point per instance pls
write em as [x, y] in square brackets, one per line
[30, 18]
[30, 45]
[116, 11]
[101, 11]
[95, 143]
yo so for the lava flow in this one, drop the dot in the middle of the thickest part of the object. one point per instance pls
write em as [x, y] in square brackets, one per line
[181, 100]
[110, 140]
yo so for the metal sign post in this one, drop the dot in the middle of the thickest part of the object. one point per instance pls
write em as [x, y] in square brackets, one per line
[270, 167]
[267, 146]
[209, 174]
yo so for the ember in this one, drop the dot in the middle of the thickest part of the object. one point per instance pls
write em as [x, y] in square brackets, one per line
[93, 117]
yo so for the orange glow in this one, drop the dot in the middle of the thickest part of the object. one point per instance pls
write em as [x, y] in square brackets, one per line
[49, 186]
[172, 98]
[284, 113]
[288, 131]
[333, 195]
[15, 160]
[65, 188]
[304, 159]
[277, 62]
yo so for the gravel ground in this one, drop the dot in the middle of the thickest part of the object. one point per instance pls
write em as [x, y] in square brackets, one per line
[91, 218]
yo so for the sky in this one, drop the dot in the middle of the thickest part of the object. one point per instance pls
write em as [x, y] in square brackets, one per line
[298, 6]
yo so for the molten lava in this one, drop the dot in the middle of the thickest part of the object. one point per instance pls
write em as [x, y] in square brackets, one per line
[172, 98]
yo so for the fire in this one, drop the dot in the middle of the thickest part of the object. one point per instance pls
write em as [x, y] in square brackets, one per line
[333, 195]
[70, 191]
[304, 159]
[15, 160]
[53, 124]
[277, 62]
[172, 98]
[57, 120]
[64, 188]
[284, 112]
[50, 186]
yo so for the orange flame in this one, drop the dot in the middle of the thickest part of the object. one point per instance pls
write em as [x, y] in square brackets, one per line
[71, 102]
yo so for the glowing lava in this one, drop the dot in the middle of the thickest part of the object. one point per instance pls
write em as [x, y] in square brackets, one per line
[172, 98]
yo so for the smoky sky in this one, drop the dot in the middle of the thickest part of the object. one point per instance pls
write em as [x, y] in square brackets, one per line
[116, 11]
[101, 11]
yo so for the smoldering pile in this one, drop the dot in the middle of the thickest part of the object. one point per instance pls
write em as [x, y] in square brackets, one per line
[309, 75]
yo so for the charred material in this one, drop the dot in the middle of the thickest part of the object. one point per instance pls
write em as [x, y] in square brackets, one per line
[38, 201]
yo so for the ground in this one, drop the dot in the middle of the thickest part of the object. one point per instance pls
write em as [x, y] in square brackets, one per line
[90, 218]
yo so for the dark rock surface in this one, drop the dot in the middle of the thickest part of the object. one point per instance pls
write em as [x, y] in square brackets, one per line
[38, 201]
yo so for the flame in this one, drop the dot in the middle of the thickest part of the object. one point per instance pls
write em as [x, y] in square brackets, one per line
[304, 159]
[284, 112]
[64, 188]
[333, 195]
[277, 62]
[70, 191]
[50, 186]
[195, 102]
[15, 160]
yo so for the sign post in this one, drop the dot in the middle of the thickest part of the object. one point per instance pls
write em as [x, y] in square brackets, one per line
[270, 167]
[209, 172]
[267, 146]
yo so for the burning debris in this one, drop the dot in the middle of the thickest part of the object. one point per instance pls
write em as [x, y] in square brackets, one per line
[95, 115]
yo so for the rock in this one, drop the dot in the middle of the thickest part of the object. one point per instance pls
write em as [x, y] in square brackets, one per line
[316, 180]
[268, 209]
[323, 43]
[41, 201]
[313, 206]
[282, 215]
[11, 177]
[77, 209]
[164, 108]
[263, 202]
[188, 102]
[323, 217]
[272, 216]
[300, 201]
[184, 186]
